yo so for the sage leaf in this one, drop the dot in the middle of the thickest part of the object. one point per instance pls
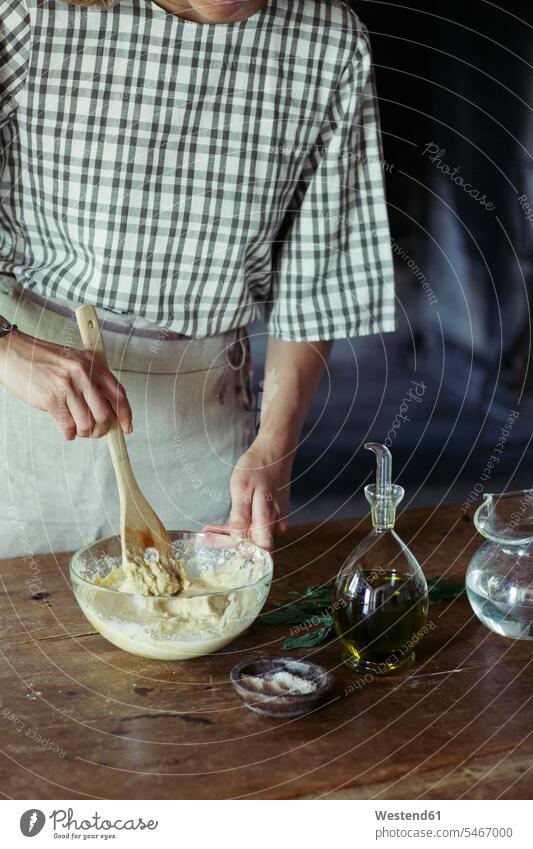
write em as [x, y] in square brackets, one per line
[310, 638]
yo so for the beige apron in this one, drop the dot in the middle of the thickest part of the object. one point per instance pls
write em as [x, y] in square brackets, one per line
[192, 419]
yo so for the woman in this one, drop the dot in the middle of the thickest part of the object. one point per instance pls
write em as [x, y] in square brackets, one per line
[186, 166]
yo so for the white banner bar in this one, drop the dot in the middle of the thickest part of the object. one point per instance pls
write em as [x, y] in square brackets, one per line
[262, 825]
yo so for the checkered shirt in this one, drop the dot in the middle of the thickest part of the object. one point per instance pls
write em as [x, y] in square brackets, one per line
[197, 175]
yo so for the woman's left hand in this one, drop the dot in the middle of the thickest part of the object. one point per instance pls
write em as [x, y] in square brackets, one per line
[261, 479]
[259, 488]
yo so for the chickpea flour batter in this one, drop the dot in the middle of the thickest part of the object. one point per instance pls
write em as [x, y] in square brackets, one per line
[216, 604]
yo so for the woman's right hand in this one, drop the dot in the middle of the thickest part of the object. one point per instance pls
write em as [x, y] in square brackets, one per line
[70, 385]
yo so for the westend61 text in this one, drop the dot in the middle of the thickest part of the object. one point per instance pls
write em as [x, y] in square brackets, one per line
[407, 815]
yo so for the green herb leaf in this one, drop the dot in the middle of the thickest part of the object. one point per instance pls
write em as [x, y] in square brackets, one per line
[440, 589]
[289, 615]
[314, 602]
[310, 638]
[313, 608]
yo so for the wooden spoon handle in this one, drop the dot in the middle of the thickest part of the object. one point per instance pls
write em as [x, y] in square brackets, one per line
[92, 339]
[90, 333]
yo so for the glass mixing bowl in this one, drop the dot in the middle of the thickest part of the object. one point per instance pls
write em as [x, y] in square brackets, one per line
[175, 627]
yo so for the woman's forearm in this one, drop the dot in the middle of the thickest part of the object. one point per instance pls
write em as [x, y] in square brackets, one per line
[292, 374]
[260, 484]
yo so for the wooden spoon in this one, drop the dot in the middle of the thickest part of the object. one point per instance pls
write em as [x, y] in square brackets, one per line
[148, 557]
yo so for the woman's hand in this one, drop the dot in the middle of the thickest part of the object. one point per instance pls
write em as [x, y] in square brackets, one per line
[70, 385]
[261, 479]
[259, 488]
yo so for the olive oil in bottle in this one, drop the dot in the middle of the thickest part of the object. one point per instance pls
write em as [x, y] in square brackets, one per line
[381, 597]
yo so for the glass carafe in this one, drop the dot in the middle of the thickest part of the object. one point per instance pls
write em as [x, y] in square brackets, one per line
[499, 579]
[381, 596]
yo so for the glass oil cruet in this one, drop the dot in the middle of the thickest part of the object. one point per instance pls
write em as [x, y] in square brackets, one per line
[499, 579]
[381, 595]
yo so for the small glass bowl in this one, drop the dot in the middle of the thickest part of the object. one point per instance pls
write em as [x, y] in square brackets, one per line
[173, 627]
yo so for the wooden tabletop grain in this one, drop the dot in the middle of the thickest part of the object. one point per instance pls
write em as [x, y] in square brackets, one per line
[81, 719]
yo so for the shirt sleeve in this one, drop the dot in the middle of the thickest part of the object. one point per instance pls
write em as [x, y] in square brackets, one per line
[332, 266]
[14, 57]
[14, 54]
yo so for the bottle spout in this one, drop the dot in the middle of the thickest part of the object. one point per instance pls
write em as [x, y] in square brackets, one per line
[383, 496]
[383, 467]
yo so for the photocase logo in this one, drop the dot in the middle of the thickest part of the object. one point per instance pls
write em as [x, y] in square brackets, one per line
[32, 822]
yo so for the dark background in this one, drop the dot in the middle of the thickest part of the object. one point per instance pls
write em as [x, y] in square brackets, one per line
[458, 76]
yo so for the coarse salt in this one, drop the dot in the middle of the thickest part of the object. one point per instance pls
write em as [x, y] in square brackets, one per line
[279, 684]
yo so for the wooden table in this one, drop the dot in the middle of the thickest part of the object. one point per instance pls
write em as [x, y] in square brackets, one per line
[82, 719]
